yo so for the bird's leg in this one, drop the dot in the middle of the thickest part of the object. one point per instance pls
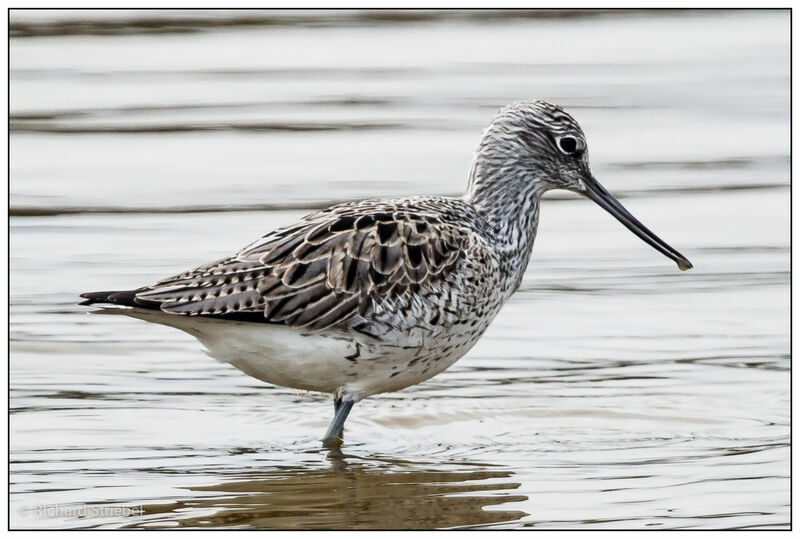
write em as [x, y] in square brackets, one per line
[342, 406]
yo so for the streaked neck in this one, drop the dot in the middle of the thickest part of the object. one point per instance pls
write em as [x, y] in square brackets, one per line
[508, 199]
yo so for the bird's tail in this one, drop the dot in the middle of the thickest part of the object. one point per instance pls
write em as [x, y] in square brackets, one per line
[117, 297]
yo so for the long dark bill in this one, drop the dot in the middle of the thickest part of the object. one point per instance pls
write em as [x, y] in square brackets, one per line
[605, 200]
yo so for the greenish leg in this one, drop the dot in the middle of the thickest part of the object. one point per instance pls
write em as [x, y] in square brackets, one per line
[335, 434]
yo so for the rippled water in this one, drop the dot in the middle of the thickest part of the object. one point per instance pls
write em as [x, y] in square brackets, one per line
[612, 391]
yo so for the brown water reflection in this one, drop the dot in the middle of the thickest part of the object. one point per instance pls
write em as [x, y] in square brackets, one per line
[353, 493]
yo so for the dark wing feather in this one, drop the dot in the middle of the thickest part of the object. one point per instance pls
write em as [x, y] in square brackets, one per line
[320, 272]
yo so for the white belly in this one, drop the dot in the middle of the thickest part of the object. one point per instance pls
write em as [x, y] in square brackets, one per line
[327, 362]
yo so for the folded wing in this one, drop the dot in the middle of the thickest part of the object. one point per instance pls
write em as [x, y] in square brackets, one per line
[320, 272]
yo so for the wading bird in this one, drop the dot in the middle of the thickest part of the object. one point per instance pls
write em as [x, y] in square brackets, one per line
[374, 296]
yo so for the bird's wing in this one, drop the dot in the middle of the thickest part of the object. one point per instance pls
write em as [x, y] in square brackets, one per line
[319, 272]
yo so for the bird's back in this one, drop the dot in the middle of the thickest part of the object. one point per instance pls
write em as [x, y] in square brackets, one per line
[371, 266]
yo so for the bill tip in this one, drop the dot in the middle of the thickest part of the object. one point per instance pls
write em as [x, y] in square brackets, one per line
[684, 265]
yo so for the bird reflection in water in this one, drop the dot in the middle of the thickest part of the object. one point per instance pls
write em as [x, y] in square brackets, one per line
[352, 493]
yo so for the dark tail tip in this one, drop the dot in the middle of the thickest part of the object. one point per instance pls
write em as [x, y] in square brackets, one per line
[117, 297]
[95, 297]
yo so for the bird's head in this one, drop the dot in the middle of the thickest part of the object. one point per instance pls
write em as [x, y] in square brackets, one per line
[534, 146]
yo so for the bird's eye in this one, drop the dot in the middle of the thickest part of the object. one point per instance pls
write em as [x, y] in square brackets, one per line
[568, 145]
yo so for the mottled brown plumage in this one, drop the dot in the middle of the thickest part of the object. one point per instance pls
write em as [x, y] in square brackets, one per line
[320, 272]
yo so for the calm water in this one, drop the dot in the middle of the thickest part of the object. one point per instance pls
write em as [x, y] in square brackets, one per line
[612, 390]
